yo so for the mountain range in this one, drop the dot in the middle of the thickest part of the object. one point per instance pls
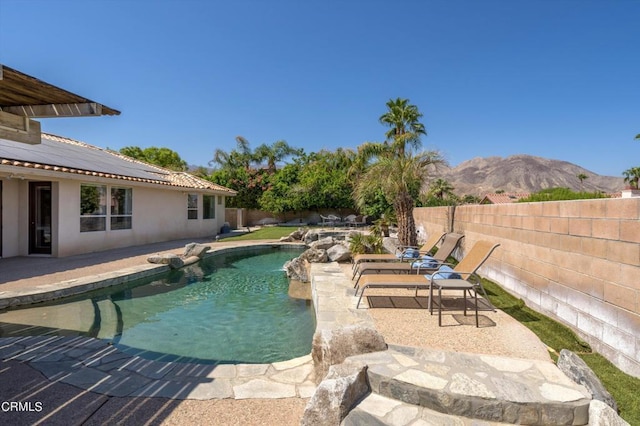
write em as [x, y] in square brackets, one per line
[524, 173]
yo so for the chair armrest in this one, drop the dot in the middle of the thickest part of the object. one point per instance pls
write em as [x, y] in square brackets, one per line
[472, 276]
[434, 269]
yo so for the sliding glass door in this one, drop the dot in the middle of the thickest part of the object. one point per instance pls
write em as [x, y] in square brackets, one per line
[39, 217]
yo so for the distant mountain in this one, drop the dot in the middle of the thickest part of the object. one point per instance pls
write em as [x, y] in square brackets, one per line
[524, 173]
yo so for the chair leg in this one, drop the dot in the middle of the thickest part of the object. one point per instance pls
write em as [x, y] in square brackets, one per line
[430, 301]
[484, 293]
[475, 295]
[360, 298]
[464, 302]
[439, 306]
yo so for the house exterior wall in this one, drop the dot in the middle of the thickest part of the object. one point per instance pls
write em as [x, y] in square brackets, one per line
[576, 261]
[158, 214]
[10, 217]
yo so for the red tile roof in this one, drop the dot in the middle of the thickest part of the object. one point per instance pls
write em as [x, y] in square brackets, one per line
[504, 198]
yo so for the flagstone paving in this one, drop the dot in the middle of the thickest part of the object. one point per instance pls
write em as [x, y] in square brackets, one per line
[409, 385]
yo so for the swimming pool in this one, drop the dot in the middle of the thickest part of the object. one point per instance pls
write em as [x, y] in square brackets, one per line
[232, 307]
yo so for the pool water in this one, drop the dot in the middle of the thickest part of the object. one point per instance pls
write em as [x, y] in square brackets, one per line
[228, 308]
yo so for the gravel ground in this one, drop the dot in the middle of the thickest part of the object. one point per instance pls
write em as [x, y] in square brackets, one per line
[229, 412]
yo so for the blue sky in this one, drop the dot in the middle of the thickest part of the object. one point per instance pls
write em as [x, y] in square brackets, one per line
[553, 78]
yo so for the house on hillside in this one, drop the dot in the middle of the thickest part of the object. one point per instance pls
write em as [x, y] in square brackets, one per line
[61, 197]
[503, 198]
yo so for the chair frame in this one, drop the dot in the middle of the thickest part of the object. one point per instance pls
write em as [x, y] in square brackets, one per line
[465, 283]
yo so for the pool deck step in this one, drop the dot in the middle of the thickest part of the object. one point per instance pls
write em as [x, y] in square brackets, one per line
[432, 387]
[483, 387]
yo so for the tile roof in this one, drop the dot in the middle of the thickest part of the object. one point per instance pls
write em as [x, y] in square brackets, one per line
[503, 198]
[65, 155]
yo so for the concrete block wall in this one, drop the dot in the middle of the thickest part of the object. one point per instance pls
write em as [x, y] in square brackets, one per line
[576, 261]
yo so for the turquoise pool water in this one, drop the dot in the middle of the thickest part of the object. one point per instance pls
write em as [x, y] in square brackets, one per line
[229, 308]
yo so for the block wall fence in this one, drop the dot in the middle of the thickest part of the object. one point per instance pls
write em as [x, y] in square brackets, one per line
[575, 261]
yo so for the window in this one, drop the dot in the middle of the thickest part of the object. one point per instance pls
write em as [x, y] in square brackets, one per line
[93, 208]
[192, 206]
[220, 199]
[121, 208]
[208, 207]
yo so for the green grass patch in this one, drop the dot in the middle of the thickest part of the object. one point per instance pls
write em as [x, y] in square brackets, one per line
[556, 336]
[266, 233]
[621, 386]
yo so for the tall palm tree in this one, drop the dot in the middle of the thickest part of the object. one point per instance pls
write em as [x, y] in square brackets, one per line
[240, 157]
[632, 176]
[403, 120]
[273, 153]
[396, 169]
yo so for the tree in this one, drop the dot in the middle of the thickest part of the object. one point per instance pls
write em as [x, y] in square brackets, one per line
[396, 169]
[241, 170]
[581, 178]
[440, 188]
[638, 136]
[163, 157]
[632, 176]
[274, 153]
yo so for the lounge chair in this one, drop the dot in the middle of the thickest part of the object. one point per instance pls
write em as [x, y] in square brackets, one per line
[430, 264]
[352, 220]
[462, 277]
[400, 253]
[330, 219]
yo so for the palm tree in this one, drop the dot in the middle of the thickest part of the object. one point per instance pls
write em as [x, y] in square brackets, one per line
[581, 177]
[397, 170]
[440, 187]
[404, 122]
[632, 176]
[240, 157]
[273, 153]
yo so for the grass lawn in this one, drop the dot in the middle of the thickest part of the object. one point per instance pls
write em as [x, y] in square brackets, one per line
[621, 386]
[266, 233]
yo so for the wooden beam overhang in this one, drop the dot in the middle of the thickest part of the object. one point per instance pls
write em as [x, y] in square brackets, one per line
[86, 109]
[21, 94]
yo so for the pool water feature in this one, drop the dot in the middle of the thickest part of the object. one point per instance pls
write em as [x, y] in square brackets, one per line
[231, 307]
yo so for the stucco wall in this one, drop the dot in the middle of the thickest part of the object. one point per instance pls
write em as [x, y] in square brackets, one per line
[10, 218]
[576, 261]
[158, 214]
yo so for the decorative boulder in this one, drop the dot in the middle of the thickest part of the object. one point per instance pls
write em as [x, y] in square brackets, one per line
[324, 243]
[578, 371]
[310, 236]
[195, 249]
[345, 385]
[298, 234]
[296, 269]
[331, 347]
[170, 259]
[339, 253]
[315, 256]
[600, 414]
[287, 239]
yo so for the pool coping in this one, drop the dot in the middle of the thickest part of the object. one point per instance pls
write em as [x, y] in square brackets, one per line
[76, 286]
